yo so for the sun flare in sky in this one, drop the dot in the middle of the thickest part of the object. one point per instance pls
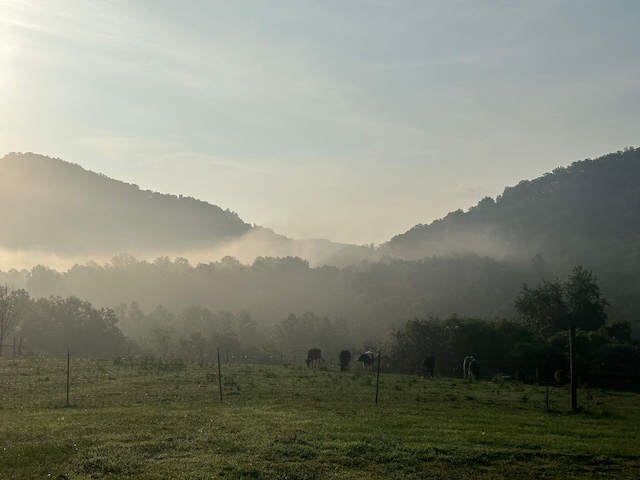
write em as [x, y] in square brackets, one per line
[350, 120]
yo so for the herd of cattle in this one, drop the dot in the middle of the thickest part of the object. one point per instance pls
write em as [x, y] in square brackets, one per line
[469, 365]
[367, 359]
[314, 357]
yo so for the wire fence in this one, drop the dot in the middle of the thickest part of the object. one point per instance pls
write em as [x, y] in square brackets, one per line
[33, 382]
[91, 382]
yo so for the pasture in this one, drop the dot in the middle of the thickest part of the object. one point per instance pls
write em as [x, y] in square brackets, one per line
[154, 420]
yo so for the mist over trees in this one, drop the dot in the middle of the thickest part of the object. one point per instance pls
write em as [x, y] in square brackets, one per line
[280, 306]
[587, 213]
[371, 296]
[450, 289]
[60, 212]
[522, 345]
[584, 214]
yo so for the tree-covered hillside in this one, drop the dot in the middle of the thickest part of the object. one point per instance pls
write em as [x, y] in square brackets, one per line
[587, 213]
[471, 264]
[55, 211]
[448, 289]
[60, 207]
[260, 311]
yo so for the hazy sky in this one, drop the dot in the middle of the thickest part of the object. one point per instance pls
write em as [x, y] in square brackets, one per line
[352, 120]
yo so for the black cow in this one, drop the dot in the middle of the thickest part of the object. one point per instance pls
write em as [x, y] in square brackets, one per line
[313, 358]
[345, 358]
[367, 359]
[473, 369]
[428, 366]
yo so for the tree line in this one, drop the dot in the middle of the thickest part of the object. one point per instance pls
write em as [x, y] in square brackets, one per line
[371, 296]
[534, 341]
[53, 325]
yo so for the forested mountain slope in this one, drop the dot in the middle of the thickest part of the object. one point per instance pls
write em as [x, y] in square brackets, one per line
[49, 205]
[60, 206]
[586, 213]
[471, 264]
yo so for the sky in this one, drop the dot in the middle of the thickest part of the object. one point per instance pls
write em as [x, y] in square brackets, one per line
[350, 120]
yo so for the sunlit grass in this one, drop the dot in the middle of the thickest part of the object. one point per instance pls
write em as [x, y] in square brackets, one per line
[286, 422]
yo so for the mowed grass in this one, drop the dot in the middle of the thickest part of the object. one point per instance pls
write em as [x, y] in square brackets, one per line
[295, 423]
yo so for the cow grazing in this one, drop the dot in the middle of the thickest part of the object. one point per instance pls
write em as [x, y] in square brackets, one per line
[473, 368]
[367, 359]
[345, 358]
[428, 366]
[313, 358]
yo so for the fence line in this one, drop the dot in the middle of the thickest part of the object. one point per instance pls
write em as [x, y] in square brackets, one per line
[56, 382]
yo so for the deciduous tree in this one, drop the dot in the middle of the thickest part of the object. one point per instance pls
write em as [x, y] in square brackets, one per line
[554, 306]
[9, 312]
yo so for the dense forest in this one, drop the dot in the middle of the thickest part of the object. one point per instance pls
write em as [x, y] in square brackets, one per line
[371, 296]
[533, 340]
[463, 273]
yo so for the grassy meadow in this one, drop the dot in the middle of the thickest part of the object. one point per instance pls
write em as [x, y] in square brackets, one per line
[145, 420]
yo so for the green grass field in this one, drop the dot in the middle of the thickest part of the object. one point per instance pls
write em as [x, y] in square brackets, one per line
[145, 422]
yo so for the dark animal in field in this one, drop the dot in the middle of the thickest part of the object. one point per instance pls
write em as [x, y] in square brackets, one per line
[428, 366]
[473, 368]
[470, 367]
[313, 358]
[345, 358]
[561, 377]
[367, 359]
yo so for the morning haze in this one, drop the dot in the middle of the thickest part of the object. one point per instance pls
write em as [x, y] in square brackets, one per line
[435, 204]
[321, 120]
[115, 245]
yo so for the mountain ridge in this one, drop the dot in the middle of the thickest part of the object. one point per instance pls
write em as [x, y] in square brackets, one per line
[69, 190]
[566, 216]
[584, 204]
[61, 208]
[468, 263]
